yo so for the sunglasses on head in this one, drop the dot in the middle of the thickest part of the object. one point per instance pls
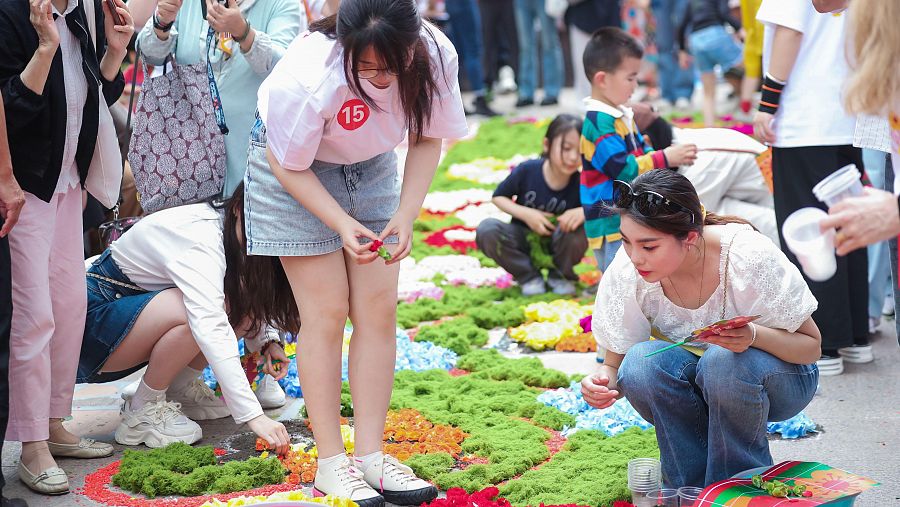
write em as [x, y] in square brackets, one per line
[646, 202]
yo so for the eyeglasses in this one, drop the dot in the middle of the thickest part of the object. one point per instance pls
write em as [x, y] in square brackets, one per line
[647, 202]
[373, 73]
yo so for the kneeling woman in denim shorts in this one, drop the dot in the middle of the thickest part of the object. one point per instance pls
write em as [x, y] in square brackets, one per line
[322, 185]
[681, 269]
[173, 293]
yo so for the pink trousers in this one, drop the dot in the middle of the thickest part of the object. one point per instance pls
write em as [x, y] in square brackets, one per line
[49, 302]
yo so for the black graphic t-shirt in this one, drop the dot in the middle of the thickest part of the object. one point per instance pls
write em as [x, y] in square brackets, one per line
[526, 185]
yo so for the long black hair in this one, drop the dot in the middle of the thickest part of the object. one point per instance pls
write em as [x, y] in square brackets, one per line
[393, 29]
[256, 287]
[679, 189]
[560, 126]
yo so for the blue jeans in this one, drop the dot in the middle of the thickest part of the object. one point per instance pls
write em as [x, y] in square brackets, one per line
[465, 23]
[879, 262]
[674, 82]
[711, 412]
[606, 253]
[527, 11]
[713, 46]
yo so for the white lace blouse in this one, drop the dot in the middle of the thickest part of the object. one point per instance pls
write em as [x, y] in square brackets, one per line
[761, 281]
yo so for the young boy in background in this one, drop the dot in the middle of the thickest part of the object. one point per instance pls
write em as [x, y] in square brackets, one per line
[612, 148]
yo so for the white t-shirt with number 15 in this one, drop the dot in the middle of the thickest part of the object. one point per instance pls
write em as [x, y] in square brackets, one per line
[311, 114]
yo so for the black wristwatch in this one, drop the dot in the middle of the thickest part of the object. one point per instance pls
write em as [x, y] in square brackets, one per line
[159, 26]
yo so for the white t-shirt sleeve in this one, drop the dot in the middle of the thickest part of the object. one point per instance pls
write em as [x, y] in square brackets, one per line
[298, 97]
[199, 274]
[448, 118]
[791, 14]
[618, 321]
[763, 282]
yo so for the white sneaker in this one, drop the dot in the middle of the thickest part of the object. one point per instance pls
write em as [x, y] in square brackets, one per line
[830, 366]
[857, 354]
[269, 393]
[346, 481]
[506, 82]
[534, 287]
[199, 402]
[888, 309]
[683, 104]
[398, 484]
[561, 286]
[156, 424]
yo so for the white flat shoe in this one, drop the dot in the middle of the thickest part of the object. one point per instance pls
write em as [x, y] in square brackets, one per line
[86, 448]
[52, 481]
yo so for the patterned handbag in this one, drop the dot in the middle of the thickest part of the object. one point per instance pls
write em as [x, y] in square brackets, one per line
[177, 149]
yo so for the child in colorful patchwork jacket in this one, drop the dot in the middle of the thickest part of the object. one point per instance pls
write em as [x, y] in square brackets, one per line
[612, 147]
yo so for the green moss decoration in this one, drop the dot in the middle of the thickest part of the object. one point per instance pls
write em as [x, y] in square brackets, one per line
[490, 364]
[430, 465]
[458, 335]
[489, 307]
[539, 248]
[509, 313]
[592, 467]
[490, 412]
[179, 469]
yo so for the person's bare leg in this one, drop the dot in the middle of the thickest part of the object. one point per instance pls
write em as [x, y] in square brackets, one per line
[161, 336]
[373, 348]
[749, 85]
[709, 98]
[320, 288]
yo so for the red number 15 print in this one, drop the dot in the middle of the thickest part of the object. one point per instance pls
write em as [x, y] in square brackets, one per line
[353, 114]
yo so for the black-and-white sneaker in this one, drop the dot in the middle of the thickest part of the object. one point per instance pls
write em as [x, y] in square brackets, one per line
[397, 483]
[857, 354]
[830, 366]
[346, 481]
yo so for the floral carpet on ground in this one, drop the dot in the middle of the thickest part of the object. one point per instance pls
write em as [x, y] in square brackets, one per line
[486, 429]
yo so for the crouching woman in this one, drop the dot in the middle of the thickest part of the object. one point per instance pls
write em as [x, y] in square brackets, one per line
[173, 294]
[682, 269]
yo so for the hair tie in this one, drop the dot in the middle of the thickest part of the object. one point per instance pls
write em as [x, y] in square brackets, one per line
[702, 214]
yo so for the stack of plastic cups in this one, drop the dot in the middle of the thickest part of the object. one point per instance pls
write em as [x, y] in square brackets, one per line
[644, 476]
[814, 249]
[687, 496]
[843, 183]
[664, 497]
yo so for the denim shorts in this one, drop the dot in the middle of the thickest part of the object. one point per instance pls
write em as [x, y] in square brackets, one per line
[112, 310]
[713, 46]
[277, 225]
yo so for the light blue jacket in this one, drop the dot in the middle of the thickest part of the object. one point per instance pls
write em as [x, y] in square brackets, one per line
[276, 22]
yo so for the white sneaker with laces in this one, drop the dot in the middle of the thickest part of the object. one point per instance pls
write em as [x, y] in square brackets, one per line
[156, 424]
[397, 483]
[199, 402]
[346, 481]
[269, 393]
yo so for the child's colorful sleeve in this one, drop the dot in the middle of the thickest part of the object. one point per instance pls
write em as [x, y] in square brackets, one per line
[603, 144]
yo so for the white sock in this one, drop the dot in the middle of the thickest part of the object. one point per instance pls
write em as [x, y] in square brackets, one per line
[144, 395]
[364, 462]
[328, 463]
[184, 378]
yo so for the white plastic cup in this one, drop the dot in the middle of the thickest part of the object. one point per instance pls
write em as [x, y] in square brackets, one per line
[664, 497]
[843, 183]
[814, 249]
[687, 496]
